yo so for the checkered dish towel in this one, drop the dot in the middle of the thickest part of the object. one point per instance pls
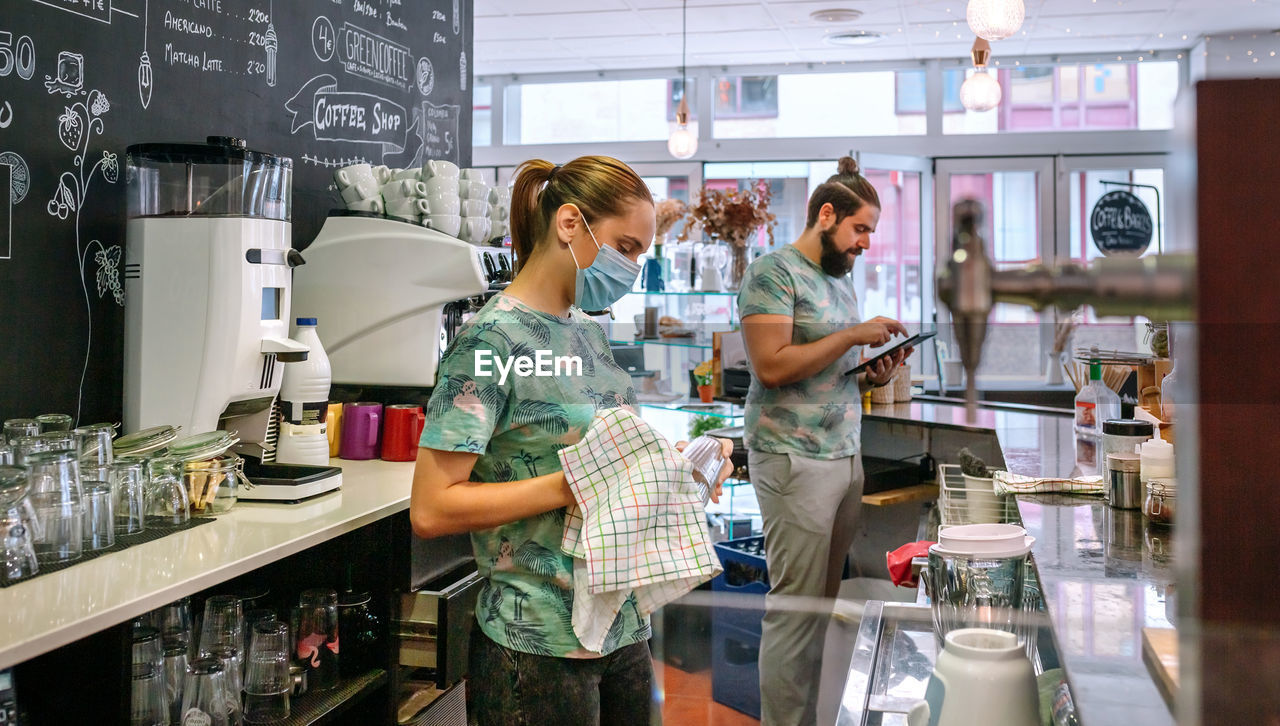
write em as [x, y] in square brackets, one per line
[639, 525]
[1006, 483]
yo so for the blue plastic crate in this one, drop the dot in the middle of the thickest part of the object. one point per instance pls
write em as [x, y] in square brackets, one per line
[735, 669]
[746, 578]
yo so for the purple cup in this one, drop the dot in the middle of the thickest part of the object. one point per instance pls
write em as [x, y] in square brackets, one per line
[361, 431]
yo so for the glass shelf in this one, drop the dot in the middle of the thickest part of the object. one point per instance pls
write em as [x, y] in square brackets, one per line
[691, 293]
[694, 408]
[669, 342]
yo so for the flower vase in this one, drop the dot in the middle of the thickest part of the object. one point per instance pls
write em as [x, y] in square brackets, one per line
[737, 267]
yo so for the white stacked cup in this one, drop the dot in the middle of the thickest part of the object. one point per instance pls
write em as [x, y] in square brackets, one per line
[499, 211]
[474, 192]
[440, 191]
[358, 185]
[405, 199]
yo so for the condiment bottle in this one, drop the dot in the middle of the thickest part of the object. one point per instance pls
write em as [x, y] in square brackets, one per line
[1157, 460]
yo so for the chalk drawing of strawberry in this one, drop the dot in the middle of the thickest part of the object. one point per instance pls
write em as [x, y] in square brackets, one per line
[70, 129]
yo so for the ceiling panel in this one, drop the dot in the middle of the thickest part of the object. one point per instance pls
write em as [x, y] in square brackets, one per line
[516, 36]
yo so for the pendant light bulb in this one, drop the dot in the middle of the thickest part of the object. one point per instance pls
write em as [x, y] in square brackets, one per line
[995, 19]
[683, 143]
[980, 91]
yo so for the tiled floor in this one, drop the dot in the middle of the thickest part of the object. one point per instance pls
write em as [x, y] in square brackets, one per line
[688, 701]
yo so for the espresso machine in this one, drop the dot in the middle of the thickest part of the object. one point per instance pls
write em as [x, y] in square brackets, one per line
[379, 287]
[208, 276]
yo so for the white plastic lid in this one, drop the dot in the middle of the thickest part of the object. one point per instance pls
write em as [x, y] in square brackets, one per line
[982, 539]
[1013, 550]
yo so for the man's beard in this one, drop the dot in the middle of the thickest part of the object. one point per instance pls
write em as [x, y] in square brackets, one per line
[833, 262]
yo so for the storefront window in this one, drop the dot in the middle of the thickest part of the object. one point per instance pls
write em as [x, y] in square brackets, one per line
[1075, 97]
[592, 111]
[482, 115]
[813, 104]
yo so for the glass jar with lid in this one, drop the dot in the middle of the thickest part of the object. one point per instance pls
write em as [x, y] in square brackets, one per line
[145, 441]
[213, 485]
[1161, 503]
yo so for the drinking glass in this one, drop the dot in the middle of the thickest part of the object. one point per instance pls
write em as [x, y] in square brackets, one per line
[361, 630]
[267, 681]
[25, 446]
[56, 473]
[6, 453]
[94, 443]
[175, 623]
[223, 623]
[147, 706]
[707, 456]
[252, 618]
[167, 493]
[16, 428]
[129, 489]
[54, 422]
[175, 673]
[204, 693]
[316, 637]
[147, 647]
[229, 657]
[19, 548]
[58, 440]
[61, 538]
[99, 516]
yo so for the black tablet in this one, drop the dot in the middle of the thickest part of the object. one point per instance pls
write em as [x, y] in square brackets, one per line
[911, 342]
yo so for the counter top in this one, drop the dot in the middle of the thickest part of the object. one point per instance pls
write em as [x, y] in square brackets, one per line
[1104, 574]
[53, 610]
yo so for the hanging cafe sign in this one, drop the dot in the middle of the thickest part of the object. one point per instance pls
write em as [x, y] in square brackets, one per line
[1120, 224]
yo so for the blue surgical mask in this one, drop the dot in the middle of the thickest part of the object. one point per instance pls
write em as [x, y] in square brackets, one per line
[608, 278]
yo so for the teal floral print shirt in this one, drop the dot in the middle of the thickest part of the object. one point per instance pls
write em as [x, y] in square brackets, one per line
[821, 417]
[517, 424]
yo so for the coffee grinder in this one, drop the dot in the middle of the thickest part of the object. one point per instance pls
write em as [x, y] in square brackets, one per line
[208, 273]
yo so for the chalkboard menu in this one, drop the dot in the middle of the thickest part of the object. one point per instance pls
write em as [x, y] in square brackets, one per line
[326, 82]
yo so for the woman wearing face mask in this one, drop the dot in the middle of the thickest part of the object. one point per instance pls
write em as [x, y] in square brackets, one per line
[488, 463]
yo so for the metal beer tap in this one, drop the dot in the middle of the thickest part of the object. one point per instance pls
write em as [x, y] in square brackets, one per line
[1161, 287]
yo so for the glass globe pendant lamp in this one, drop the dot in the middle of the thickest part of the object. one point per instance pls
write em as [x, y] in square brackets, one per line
[995, 19]
[980, 91]
[683, 142]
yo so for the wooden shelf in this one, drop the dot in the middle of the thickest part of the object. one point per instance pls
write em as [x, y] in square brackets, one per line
[917, 493]
[319, 706]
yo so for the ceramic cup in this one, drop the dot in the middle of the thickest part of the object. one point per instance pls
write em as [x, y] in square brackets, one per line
[382, 174]
[361, 430]
[434, 168]
[450, 224]
[360, 190]
[475, 208]
[407, 208]
[470, 189]
[349, 175]
[497, 229]
[475, 229]
[414, 174]
[439, 186]
[499, 212]
[500, 195]
[445, 204]
[472, 174]
[403, 189]
[372, 204]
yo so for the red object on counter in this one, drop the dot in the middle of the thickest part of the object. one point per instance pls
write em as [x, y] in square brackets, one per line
[401, 431]
[899, 562]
